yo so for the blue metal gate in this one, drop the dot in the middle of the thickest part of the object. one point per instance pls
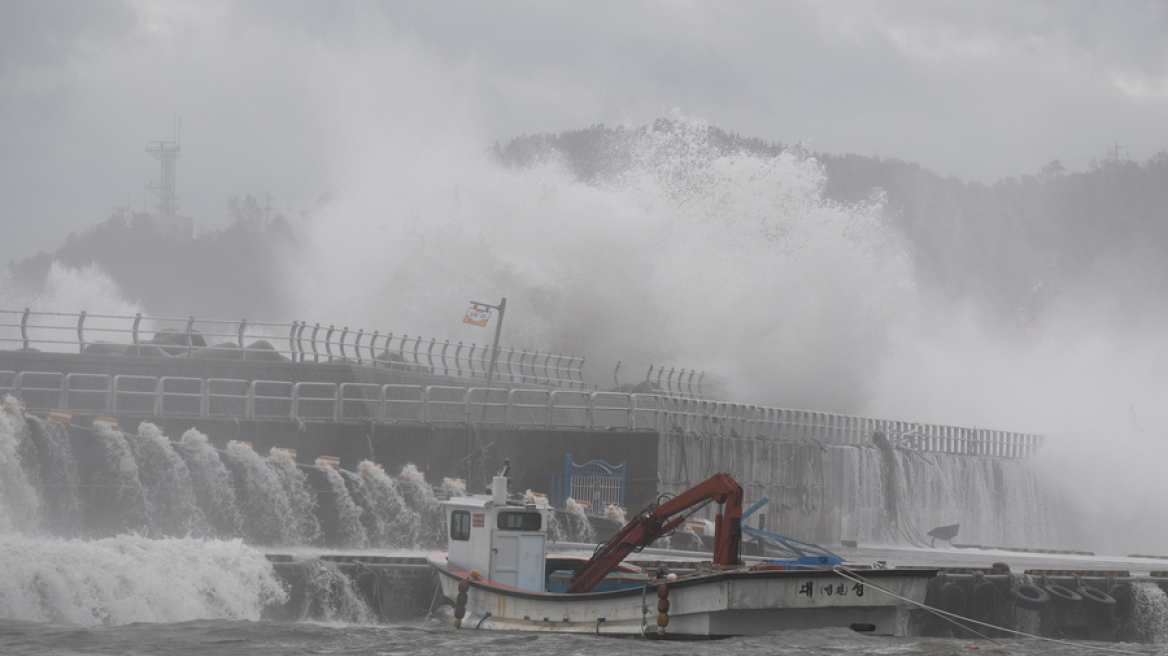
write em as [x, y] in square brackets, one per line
[597, 483]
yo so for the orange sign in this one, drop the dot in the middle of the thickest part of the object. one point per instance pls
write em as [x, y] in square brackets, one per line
[478, 316]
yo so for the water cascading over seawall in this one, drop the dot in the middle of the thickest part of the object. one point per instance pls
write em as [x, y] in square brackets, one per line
[874, 493]
[101, 526]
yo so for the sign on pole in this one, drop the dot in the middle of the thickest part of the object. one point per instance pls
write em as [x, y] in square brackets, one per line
[478, 315]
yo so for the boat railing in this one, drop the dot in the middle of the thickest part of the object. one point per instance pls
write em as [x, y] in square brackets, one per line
[185, 397]
[299, 341]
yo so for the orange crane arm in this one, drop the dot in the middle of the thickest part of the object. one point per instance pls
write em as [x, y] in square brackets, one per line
[658, 520]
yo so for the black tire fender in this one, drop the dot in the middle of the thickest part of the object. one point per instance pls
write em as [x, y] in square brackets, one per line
[951, 599]
[1030, 597]
[1062, 596]
[983, 602]
[1095, 597]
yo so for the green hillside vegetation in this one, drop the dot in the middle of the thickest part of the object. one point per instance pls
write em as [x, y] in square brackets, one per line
[1006, 246]
[1097, 236]
[240, 271]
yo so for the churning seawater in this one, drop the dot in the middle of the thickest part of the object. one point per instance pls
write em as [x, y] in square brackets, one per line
[211, 637]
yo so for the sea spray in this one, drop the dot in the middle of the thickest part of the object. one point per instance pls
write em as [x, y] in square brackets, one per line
[120, 502]
[167, 481]
[897, 496]
[48, 456]
[329, 595]
[1149, 621]
[302, 523]
[429, 531]
[891, 494]
[346, 513]
[133, 579]
[19, 502]
[391, 521]
[213, 486]
[685, 231]
[264, 505]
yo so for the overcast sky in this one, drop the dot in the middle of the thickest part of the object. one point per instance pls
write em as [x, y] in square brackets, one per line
[275, 95]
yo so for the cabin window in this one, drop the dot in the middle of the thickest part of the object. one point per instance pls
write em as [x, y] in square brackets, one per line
[460, 525]
[520, 521]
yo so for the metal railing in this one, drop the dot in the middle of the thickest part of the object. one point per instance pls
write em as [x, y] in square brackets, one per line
[295, 342]
[169, 396]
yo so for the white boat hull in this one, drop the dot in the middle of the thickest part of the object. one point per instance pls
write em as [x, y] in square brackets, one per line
[722, 604]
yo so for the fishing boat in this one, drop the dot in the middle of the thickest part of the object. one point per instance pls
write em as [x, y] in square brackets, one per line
[499, 575]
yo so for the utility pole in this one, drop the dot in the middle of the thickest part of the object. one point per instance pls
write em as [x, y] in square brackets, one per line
[501, 307]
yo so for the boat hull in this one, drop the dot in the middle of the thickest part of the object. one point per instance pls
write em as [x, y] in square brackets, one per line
[720, 604]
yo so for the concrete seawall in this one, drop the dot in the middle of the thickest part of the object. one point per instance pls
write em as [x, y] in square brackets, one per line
[872, 491]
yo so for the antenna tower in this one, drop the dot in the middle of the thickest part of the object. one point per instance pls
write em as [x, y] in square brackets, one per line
[166, 152]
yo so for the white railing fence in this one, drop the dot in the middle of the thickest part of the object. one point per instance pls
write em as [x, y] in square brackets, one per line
[179, 397]
[264, 341]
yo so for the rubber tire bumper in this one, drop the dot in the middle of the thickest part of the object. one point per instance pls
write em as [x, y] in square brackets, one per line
[1030, 597]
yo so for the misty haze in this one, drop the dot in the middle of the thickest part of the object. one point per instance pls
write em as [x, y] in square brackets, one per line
[953, 215]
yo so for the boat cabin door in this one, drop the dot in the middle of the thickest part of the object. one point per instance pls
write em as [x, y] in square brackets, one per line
[519, 548]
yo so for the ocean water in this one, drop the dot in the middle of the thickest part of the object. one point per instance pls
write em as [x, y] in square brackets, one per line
[210, 637]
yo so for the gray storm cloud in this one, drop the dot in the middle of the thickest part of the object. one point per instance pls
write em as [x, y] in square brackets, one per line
[275, 96]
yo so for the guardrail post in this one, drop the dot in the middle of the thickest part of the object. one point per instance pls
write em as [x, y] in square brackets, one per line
[315, 352]
[328, 342]
[445, 365]
[191, 337]
[511, 365]
[137, 322]
[357, 345]
[24, 327]
[470, 359]
[373, 347]
[344, 334]
[81, 332]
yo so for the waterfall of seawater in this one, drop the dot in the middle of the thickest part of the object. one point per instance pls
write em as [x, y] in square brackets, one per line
[895, 496]
[133, 579]
[101, 526]
[1150, 621]
[346, 512]
[875, 494]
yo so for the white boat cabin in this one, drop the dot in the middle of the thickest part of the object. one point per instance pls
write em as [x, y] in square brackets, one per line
[505, 541]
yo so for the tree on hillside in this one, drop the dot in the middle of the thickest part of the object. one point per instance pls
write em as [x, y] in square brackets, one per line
[241, 270]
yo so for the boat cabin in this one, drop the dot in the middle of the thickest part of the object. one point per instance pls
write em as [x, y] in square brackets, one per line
[505, 541]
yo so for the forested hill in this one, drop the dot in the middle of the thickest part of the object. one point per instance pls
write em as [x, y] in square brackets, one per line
[1007, 246]
[1098, 236]
[241, 270]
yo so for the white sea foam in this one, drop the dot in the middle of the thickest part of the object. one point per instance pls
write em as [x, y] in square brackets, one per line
[729, 263]
[133, 579]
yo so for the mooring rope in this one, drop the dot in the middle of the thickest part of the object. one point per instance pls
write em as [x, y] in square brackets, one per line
[952, 617]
